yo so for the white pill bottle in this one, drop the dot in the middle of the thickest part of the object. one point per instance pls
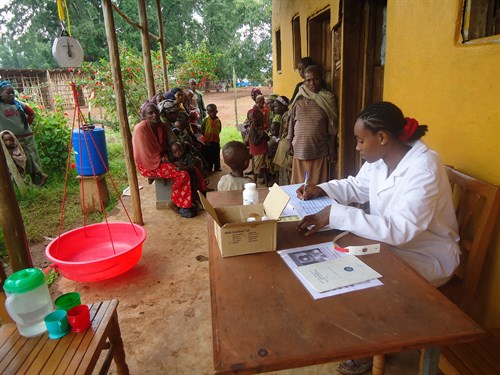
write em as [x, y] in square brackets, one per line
[250, 194]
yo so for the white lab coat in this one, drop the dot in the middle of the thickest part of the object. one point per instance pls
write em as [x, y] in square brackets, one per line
[411, 210]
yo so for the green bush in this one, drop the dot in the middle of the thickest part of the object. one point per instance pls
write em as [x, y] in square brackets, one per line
[52, 137]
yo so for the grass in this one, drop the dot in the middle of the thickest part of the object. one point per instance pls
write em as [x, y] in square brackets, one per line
[229, 134]
[41, 207]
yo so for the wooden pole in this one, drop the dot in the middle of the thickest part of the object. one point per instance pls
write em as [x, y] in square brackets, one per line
[11, 220]
[235, 97]
[146, 49]
[161, 41]
[121, 109]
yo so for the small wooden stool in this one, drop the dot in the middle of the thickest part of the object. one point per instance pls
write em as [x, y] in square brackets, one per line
[75, 353]
[163, 189]
[89, 192]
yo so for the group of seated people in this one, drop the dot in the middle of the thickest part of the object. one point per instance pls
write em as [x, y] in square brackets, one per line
[172, 142]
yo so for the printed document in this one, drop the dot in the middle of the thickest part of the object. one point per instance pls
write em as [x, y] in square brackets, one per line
[336, 273]
[313, 255]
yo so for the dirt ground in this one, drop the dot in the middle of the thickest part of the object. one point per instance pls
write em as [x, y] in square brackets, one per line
[164, 311]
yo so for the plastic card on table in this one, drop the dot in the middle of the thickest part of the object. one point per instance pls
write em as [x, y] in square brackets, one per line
[355, 250]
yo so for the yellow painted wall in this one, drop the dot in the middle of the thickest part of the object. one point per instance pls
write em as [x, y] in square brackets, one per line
[433, 77]
[283, 11]
[455, 89]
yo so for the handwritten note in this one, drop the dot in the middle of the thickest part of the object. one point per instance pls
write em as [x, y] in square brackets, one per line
[308, 207]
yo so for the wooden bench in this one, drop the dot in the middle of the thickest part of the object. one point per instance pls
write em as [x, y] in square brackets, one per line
[163, 189]
[476, 207]
[75, 353]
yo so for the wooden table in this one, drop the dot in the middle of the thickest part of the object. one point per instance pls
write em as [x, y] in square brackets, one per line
[264, 319]
[75, 353]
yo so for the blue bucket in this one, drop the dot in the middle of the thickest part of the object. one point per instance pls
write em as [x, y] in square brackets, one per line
[92, 143]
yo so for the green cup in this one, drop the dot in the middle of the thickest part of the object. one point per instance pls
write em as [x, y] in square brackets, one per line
[67, 301]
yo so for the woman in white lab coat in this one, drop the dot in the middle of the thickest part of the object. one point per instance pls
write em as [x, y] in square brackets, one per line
[409, 195]
[407, 188]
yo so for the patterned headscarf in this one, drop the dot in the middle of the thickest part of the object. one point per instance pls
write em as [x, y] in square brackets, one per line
[3, 85]
[168, 106]
[283, 100]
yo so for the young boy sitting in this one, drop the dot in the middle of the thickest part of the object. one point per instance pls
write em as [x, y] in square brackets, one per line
[236, 157]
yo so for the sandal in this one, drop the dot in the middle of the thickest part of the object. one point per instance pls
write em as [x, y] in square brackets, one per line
[188, 212]
[355, 366]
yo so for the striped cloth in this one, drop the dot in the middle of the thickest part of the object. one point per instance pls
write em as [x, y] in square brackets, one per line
[308, 130]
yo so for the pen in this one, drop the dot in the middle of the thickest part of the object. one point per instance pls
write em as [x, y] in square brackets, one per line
[306, 177]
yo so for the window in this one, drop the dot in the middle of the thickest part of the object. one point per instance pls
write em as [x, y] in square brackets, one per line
[297, 48]
[278, 50]
[481, 19]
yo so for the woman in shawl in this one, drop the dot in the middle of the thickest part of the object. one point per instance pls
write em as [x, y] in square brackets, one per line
[151, 140]
[312, 130]
[17, 117]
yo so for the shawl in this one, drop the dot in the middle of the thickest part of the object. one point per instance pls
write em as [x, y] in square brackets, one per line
[326, 100]
[17, 154]
[148, 149]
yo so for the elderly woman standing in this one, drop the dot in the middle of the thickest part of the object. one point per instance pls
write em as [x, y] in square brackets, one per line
[312, 130]
[17, 117]
[151, 140]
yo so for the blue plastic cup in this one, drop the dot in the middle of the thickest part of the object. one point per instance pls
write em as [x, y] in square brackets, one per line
[57, 324]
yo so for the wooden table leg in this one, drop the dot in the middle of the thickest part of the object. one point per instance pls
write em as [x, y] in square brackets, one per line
[429, 361]
[115, 337]
[378, 365]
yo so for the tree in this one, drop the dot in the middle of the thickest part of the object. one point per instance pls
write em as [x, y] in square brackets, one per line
[198, 64]
[236, 32]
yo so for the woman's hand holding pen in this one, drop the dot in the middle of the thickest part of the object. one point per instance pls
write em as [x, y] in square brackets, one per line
[306, 192]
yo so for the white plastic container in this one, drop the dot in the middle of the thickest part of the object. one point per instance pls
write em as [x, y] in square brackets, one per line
[250, 194]
[28, 301]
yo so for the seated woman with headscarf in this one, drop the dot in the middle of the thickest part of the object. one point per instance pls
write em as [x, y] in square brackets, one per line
[151, 140]
[177, 95]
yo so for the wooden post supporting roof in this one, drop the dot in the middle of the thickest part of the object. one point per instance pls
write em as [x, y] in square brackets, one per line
[12, 224]
[161, 41]
[114, 59]
[146, 49]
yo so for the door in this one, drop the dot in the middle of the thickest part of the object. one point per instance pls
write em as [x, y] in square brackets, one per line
[359, 57]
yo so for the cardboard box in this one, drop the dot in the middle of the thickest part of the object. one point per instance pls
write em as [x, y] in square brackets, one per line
[236, 236]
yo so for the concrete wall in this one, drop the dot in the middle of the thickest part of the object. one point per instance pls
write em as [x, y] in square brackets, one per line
[452, 87]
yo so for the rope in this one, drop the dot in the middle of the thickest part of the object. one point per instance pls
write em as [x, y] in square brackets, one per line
[62, 6]
[83, 129]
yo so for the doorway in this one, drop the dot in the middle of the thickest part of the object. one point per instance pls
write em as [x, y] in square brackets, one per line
[359, 59]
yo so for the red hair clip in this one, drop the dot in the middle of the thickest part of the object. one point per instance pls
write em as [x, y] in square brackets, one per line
[409, 129]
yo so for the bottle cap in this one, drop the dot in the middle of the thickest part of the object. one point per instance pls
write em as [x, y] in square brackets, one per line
[250, 185]
[251, 219]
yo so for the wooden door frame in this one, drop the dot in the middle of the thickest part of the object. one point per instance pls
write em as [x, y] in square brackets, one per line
[360, 25]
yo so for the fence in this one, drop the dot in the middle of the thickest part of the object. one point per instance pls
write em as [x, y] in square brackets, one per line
[43, 85]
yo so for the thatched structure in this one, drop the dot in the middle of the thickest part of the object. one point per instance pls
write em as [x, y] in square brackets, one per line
[43, 86]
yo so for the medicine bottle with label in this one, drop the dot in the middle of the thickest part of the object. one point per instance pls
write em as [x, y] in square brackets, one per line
[250, 194]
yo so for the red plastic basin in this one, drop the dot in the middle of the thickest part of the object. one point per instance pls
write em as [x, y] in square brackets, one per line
[97, 252]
